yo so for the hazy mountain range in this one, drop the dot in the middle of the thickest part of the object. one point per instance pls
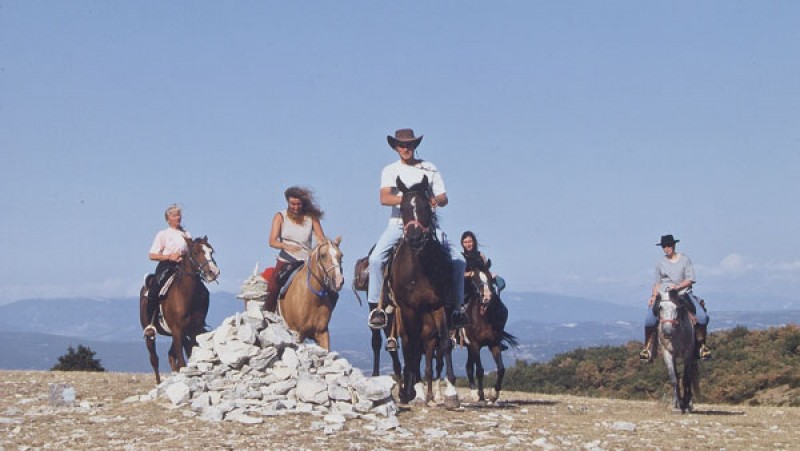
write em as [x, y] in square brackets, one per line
[35, 332]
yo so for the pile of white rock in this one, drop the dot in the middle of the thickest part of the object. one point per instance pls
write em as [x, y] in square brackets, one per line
[252, 367]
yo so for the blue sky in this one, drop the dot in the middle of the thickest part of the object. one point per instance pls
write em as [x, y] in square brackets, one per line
[571, 135]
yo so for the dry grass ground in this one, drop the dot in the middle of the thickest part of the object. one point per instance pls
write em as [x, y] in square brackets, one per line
[101, 420]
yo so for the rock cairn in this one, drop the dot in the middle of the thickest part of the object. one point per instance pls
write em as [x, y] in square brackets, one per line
[252, 367]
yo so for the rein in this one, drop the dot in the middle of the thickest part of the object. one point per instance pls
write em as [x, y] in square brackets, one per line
[200, 269]
[326, 279]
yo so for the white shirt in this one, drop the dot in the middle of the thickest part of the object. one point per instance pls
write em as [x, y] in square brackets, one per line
[411, 175]
[170, 241]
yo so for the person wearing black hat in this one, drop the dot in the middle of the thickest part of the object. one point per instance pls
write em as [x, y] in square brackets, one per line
[674, 272]
[411, 170]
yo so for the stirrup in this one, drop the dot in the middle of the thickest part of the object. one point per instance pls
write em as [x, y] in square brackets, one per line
[378, 319]
[705, 353]
[149, 331]
[645, 355]
[391, 344]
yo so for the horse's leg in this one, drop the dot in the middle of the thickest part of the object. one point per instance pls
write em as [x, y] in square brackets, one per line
[470, 367]
[670, 360]
[688, 373]
[497, 354]
[479, 373]
[429, 368]
[377, 341]
[176, 353]
[407, 391]
[150, 342]
[324, 339]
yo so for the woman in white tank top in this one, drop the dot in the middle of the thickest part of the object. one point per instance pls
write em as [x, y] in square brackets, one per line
[291, 234]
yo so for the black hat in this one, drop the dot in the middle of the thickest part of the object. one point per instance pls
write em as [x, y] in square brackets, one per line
[667, 240]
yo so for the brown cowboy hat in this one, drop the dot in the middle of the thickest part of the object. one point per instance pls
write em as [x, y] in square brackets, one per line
[403, 135]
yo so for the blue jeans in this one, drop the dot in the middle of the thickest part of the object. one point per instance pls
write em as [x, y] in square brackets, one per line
[391, 235]
[650, 319]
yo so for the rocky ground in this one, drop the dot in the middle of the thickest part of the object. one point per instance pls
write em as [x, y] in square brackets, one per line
[103, 417]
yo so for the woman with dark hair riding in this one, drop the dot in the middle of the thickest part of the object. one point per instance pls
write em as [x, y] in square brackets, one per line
[475, 259]
[291, 234]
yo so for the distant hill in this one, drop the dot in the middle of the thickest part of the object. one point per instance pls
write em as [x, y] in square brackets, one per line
[756, 367]
[37, 331]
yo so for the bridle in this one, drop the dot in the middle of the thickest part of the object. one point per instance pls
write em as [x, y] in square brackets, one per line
[326, 279]
[426, 230]
[201, 269]
[483, 289]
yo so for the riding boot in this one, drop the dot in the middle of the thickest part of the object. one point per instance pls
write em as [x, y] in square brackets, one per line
[700, 333]
[458, 318]
[648, 352]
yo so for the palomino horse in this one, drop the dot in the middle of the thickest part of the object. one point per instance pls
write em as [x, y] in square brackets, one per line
[311, 296]
[676, 341]
[487, 321]
[185, 307]
[420, 279]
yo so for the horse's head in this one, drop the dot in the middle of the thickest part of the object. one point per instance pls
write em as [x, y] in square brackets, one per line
[418, 216]
[201, 256]
[328, 261]
[483, 291]
[670, 311]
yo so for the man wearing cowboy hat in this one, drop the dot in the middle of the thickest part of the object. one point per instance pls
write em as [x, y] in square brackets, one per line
[674, 272]
[410, 170]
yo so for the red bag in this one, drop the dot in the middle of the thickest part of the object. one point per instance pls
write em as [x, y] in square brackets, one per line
[267, 274]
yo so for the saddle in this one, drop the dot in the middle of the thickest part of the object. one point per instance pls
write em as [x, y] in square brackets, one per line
[286, 275]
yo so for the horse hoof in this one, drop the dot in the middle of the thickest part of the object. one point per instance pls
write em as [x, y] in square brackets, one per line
[451, 402]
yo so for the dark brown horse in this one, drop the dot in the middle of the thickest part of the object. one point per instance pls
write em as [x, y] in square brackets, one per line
[183, 311]
[488, 316]
[420, 279]
[311, 296]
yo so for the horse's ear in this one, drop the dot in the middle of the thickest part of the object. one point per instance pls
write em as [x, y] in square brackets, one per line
[400, 185]
[424, 182]
[337, 240]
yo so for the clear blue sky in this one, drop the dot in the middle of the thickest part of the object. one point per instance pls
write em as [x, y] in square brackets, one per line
[571, 135]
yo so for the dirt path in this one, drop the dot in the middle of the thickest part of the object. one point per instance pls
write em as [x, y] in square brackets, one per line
[102, 420]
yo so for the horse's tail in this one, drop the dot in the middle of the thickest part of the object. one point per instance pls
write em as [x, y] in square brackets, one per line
[510, 339]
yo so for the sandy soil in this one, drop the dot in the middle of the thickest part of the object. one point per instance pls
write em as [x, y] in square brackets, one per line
[101, 420]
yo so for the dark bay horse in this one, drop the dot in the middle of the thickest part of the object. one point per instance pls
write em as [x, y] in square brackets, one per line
[420, 279]
[311, 296]
[185, 307]
[676, 340]
[487, 321]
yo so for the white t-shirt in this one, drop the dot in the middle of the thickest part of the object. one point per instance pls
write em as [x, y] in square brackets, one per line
[170, 241]
[411, 175]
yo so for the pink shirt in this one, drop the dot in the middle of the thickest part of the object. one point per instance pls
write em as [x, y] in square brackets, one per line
[170, 241]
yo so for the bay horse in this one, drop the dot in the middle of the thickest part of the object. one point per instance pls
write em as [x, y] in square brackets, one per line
[311, 296]
[185, 307]
[487, 320]
[676, 340]
[420, 279]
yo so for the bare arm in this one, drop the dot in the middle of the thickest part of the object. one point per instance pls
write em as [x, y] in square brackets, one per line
[388, 199]
[274, 233]
[316, 227]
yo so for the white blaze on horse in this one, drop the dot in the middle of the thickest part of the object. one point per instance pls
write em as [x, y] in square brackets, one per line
[311, 296]
[676, 340]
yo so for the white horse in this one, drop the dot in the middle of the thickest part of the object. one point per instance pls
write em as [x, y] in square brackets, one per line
[676, 340]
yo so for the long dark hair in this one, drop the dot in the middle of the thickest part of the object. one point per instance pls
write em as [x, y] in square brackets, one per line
[472, 258]
[310, 206]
